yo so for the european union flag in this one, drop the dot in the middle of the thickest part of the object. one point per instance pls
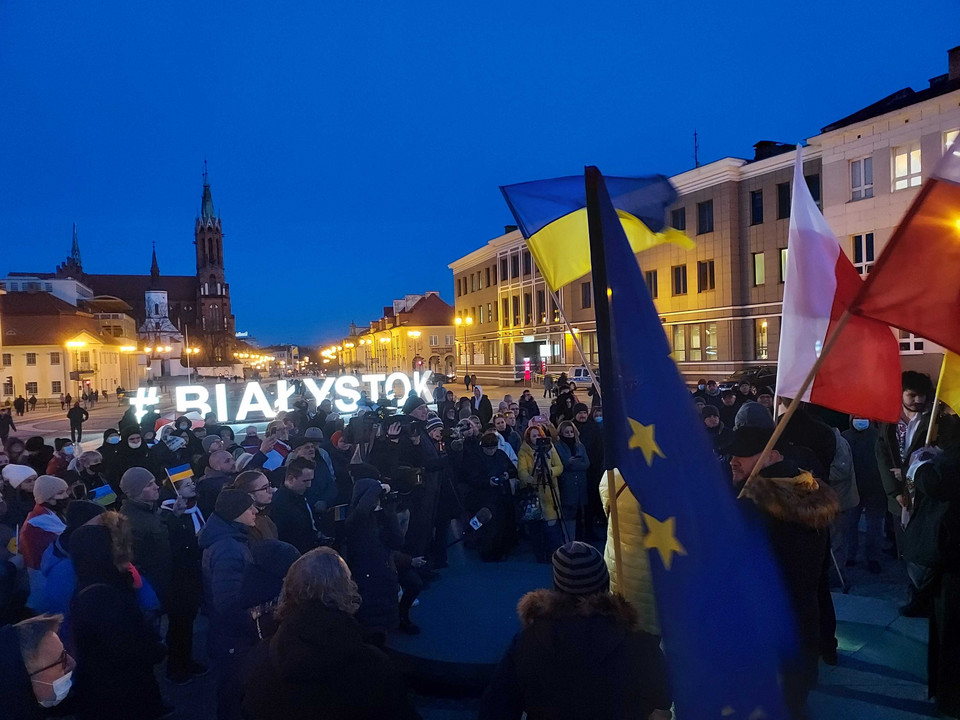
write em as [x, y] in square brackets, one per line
[722, 606]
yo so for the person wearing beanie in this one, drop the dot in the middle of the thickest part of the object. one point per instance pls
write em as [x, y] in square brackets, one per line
[729, 405]
[412, 403]
[720, 434]
[44, 523]
[62, 456]
[111, 441]
[580, 652]
[19, 500]
[212, 443]
[38, 454]
[151, 541]
[225, 561]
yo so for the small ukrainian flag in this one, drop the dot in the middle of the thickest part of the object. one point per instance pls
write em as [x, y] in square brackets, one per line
[181, 472]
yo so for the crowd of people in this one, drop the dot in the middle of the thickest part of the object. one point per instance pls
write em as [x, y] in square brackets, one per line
[303, 548]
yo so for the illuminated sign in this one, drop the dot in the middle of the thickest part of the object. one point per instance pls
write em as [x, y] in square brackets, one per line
[242, 333]
[343, 390]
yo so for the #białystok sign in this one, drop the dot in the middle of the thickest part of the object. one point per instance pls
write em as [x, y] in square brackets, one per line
[343, 390]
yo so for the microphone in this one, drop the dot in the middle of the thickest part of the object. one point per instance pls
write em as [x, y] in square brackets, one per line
[482, 517]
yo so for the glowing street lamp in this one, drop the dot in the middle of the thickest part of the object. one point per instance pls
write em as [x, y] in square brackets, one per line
[464, 322]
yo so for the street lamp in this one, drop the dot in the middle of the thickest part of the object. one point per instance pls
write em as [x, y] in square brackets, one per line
[466, 355]
[415, 334]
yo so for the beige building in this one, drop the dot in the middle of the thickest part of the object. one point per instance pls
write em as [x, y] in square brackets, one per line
[720, 303]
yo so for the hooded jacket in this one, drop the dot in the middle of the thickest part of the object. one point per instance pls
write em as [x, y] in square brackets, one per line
[317, 660]
[127, 457]
[578, 657]
[226, 559]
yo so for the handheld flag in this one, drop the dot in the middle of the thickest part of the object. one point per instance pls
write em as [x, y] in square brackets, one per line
[861, 373]
[178, 473]
[552, 216]
[913, 285]
[948, 387]
[720, 599]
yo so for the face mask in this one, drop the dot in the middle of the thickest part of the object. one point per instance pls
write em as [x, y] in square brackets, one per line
[134, 445]
[68, 450]
[95, 469]
[182, 426]
[61, 688]
[701, 387]
[861, 424]
[58, 505]
[113, 440]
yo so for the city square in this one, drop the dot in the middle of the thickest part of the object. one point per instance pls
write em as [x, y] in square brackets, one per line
[382, 446]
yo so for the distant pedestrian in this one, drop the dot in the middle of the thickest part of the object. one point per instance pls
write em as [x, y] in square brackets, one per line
[77, 417]
[467, 380]
[63, 402]
[547, 385]
[6, 425]
[19, 405]
[68, 400]
[33, 402]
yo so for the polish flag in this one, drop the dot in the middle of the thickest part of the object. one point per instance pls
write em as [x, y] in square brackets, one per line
[861, 374]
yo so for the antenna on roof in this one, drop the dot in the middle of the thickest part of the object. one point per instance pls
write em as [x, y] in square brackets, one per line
[696, 150]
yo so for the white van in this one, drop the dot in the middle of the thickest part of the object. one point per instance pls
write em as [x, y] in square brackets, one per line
[579, 377]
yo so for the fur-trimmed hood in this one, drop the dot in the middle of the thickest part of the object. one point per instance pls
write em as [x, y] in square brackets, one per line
[800, 499]
[555, 605]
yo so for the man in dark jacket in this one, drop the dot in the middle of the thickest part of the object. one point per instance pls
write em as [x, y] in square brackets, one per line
[151, 541]
[35, 668]
[796, 510]
[862, 438]
[592, 440]
[490, 487]
[221, 471]
[290, 510]
[579, 653]
[6, 425]
[77, 417]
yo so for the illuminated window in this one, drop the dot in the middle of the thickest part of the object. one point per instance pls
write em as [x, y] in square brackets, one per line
[759, 269]
[863, 252]
[541, 306]
[760, 334]
[861, 178]
[783, 264]
[906, 166]
[679, 343]
[949, 138]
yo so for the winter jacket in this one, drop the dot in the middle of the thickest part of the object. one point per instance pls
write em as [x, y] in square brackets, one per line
[77, 415]
[482, 409]
[578, 657]
[932, 537]
[796, 510]
[525, 469]
[226, 558]
[317, 665]
[186, 586]
[208, 489]
[843, 476]
[863, 448]
[371, 535]
[593, 441]
[151, 545]
[573, 481]
[637, 583]
[889, 457]
[41, 528]
[17, 701]
[293, 519]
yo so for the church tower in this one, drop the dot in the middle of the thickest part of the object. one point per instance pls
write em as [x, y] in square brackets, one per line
[215, 324]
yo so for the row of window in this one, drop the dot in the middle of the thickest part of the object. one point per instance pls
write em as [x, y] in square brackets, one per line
[487, 277]
[906, 168]
[783, 199]
[706, 279]
[31, 358]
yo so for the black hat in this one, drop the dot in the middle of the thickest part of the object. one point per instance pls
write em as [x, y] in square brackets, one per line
[231, 504]
[709, 411]
[79, 512]
[727, 393]
[34, 444]
[747, 441]
[579, 408]
[489, 440]
[412, 403]
[59, 443]
[766, 390]
[363, 470]
[579, 569]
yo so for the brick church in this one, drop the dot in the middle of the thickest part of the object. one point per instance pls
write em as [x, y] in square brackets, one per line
[196, 306]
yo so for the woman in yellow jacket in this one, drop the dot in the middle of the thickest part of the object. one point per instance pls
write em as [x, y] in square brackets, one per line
[636, 585]
[546, 533]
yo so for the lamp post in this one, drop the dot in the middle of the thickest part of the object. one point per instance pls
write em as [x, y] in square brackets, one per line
[466, 354]
[415, 334]
[76, 345]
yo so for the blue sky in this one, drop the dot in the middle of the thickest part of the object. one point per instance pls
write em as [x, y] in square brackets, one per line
[355, 149]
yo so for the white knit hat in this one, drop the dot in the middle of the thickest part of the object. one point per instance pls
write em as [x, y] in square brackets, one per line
[16, 475]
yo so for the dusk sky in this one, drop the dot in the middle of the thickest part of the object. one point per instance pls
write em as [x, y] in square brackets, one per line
[355, 149]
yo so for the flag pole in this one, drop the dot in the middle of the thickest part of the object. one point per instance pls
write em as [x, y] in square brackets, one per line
[796, 401]
[932, 425]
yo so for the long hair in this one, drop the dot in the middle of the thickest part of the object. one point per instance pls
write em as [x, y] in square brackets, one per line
[319, 575]
[569, 423]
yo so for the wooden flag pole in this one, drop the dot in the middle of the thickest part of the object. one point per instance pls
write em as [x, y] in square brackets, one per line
[796, 401]
[615, 528]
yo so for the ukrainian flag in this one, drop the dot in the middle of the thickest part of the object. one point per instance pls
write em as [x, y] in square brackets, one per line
[181, 472]
[552, 216]
[723, 611]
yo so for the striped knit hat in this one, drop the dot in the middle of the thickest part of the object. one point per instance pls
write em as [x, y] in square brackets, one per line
[578, 569]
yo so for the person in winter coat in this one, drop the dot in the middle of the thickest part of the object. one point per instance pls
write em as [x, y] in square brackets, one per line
[636, 585]
[151, 541]
[491, 486]
[480, 406]
[18, 494]
[77, 417]
[843, 479]
[111, 443]
[131, 452]
[862, 438]
[372, 534]
[256, 485]
[6, 425]
[37, 671]
[796, 510]
[573, 481]
[546, 532]
[87, 477]
[220, 473]
[225, 544]
[62, 457]
[592, 440]
[43, 525]
[580, 653]
[290, 511]
[183, 521]
[116, 648]
[318, 658]
[511, 436]
[128, 421]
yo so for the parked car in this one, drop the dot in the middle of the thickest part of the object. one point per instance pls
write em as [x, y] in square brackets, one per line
[759, 375]
[580, 377]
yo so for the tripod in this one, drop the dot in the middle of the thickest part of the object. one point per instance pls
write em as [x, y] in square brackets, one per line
[542, 475]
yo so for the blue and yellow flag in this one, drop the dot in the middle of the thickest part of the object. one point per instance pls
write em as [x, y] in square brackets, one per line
[180, 472]
[552, 216]
[720, 598]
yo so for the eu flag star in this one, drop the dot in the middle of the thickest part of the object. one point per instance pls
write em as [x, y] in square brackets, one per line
[662, 536]
[643, 439]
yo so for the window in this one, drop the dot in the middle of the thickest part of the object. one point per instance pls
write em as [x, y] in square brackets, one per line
[906, 166]
[651, 277]
[31, 388]
[813, 185]
[679, 279]
[541, 306]
[783, 264]
[527, 266]
[949, 138]
[503, 268]
[31, 358]
[756, 207]
[527, 309]
[783, 200]
[706, 279]
[506, 312]
[861, 178]
[515, 266]
[8, 385]
[586, 296]
[910, 344]
[473, 282]
[863, 252]
[494, 274]
[7, 359]
[54, 358]
[679, 343]
[480, 318]
[759, 270]
[711, 342]
[516, 310]
[490, 316]
[488, 277]
[760, 339]
[696, 351]
[678, 219]
[556, 310]
[705, 217]
[448, 340]
[56, 387]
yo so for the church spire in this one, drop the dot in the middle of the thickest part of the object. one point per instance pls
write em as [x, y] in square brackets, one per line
[154, 269]
[75, 248]
[206, 204]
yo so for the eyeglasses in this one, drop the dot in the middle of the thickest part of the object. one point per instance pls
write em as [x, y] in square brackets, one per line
[260, 489]
[64, 661]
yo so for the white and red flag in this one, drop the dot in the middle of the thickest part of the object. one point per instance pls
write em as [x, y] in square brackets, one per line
[861, 373]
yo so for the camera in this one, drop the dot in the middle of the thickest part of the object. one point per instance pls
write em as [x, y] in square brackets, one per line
[543, 444]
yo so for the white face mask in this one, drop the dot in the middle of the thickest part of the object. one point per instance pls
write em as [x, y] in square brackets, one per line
[61, 688]
[134, 445]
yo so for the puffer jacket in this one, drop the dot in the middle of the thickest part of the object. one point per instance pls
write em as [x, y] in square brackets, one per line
[226, 558]
[637, 583]
[525, 460]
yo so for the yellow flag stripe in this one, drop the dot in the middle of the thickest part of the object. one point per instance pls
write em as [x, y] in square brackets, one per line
[948, 387]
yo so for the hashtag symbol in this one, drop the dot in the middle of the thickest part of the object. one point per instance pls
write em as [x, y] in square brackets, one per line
[144, 397]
